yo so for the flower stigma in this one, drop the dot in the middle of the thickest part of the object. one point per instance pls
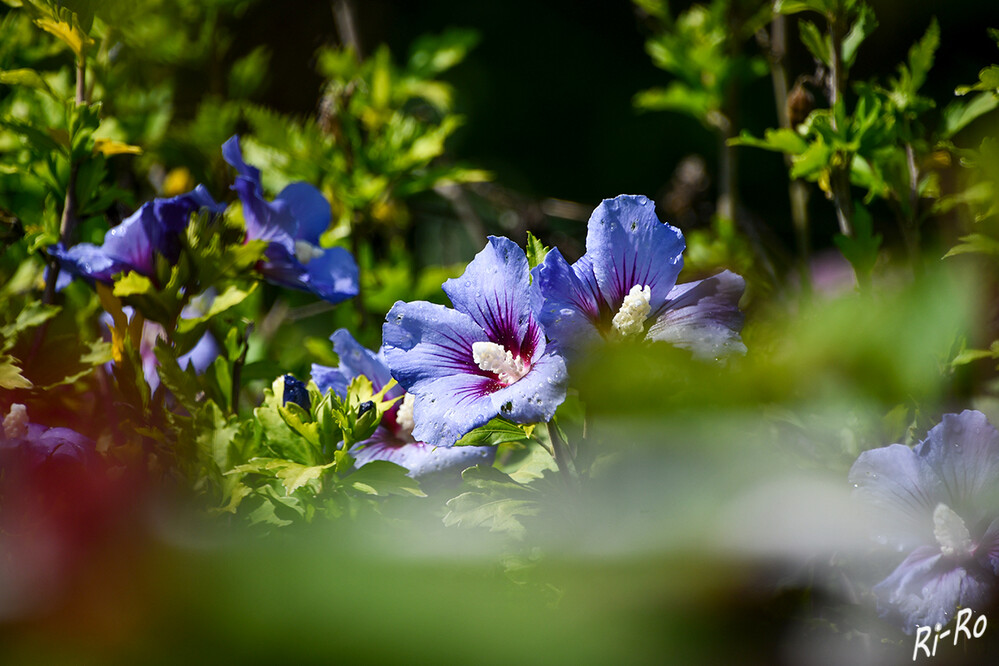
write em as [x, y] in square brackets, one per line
[16, 424]
[951, 532]
[404, 417]
[630, 319]
[306, 251]
[493, 357]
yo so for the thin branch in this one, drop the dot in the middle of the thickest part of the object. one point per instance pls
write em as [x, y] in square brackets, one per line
[561, 453]
[839, 178]
[343, 16]
[775, 45]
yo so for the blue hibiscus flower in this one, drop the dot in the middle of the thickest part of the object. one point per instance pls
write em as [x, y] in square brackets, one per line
[624, 286]
[938, 501]
[292, 224]
[133, 245]
[393, 438]
[487, 357]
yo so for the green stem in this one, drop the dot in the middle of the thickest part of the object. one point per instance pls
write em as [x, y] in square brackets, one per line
[68, 222]
[776, 48]
[561, 453]
[839, 177]
[910, 225]
[237, 370]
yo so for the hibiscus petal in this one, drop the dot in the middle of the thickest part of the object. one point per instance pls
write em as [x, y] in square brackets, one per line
[357, 360]
[202, 355]
[629, 246]
[963, 451]
[174, 213]
[421, 459]
[571, 307]
[448, 407]
[892, 480]
[535, 396]
[134, 241]
[424, 341]
[86, 260]
[309, 207]
[496, 291]
[265, 220]
[988, 547]
[332, 276]
[327, 378]
[233, 155]
[703, 316]
[927, 588]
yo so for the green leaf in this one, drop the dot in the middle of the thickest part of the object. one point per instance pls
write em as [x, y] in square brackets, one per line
[497, 431]
[782, 140]
[862, 27]
[33, 314]
[64, 25]
[28, 78]
[967, 356]
[282, 439]
[988, 81]
[433, 54]
[677, 97]
[10, 374]
[183, 384]
[381, 478]
[657, 8]
[292, 475]
[301, 422]
[499, 515]
[975, 244]
[816, 41]
[788, 7]
[813, 160]
[246, 76]
[921, 55]
[861, 250]
[133, 283]
[43, 140]
[536, 250]
[216, 432]
[229, 298]
[959, 114]
[498, 502]
[486, 477]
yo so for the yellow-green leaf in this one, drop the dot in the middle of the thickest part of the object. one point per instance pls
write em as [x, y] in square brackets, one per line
[10, 375]
[109, 147]
[72, 35]
[25, 77]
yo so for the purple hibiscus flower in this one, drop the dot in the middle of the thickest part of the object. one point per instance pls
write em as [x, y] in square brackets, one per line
[28, 446]
[152, 230]
[940, 502]
[624, 286]
[485, 358]
[292, 224]
[393, 438]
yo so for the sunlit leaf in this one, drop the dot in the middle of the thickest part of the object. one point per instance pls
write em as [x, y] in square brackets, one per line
[10, 374]
[380, 477]
[109, 147]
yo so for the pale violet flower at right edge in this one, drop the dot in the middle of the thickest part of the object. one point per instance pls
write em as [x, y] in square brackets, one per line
[624, 286]
[487, 357]
[937, 502]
